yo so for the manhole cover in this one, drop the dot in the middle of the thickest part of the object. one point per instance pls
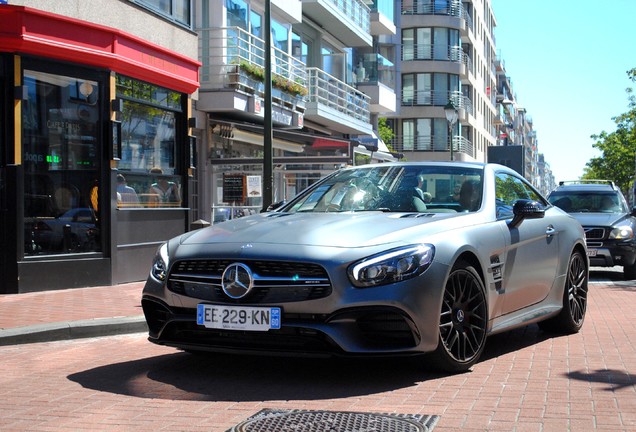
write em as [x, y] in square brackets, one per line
[271, 420]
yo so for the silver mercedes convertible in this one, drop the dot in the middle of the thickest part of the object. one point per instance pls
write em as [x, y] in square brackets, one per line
[385, 259]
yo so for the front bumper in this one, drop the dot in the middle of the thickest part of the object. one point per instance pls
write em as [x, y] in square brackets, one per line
[354, 330]
[610, 254]
[401, 318]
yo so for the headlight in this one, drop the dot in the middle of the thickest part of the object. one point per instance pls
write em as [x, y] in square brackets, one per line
[622, 233]
[159, 268]
[392, 266]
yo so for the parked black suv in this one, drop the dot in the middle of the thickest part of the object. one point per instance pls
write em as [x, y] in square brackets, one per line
[609, 224]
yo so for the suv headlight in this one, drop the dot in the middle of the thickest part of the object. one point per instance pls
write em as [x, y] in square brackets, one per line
[159, 268]
[624, 232]
[392, 266]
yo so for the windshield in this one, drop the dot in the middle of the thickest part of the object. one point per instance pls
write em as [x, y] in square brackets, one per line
[394, 188]
[586, 201]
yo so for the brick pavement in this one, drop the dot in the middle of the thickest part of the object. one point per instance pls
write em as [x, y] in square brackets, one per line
[18, 310]
[526, 380]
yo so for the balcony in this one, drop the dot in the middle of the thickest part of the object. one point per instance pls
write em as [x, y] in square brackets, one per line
[382, 18]
[429, 143]
[290, 10]
[450, 8]
[347, 20]
[232, 74]
[419, 98]
[376, 79]
[441, 52]
[336, 105]
[439, 12]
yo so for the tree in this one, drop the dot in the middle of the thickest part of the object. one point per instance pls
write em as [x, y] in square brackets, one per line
[618, 149]
[385, 132]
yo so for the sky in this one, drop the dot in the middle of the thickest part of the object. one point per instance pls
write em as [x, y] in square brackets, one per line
[568, 63]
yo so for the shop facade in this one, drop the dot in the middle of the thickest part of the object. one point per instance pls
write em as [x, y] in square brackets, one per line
[96, 151]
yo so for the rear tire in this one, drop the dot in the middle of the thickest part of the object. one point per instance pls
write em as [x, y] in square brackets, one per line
[570, 319]
[463, 320]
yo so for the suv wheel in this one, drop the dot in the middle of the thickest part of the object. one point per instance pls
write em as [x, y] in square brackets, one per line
[629, 271]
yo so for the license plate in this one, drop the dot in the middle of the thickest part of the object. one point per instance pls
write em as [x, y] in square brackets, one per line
[238, 317]
[591, 252]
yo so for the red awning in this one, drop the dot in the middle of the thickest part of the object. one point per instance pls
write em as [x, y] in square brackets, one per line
[324, 143]
[26, 30]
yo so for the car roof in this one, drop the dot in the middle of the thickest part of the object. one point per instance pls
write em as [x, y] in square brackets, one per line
[588, 185]
[479, 165]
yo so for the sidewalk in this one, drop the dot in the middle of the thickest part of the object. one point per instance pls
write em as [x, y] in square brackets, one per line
[102, 311]
[526, 381]
[69, 314]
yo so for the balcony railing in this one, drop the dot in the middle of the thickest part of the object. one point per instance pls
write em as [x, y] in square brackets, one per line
[228, 52]
[431, 144]
[355, 10]
[438, 7]
[436, 98]
[327, 90]
[375, 69]
[385, 7]
[441, 52]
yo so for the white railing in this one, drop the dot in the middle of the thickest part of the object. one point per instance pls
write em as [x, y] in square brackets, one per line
[438, 7]
[432, 144]
[328, 90]
[356, 10]
[224, 51]
[436, 98]
[441, 52]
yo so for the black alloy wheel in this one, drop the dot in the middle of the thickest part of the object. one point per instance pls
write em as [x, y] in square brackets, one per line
[463, 320]
[577, 289]
[570, 319]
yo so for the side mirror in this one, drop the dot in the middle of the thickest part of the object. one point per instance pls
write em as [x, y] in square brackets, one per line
[276, 205]
[526, 209]
[634, 211]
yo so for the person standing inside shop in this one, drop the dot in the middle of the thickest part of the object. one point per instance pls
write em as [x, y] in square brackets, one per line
[164, 191]
[128, 195]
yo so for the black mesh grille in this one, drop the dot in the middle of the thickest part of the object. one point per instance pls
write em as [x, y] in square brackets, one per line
[287, 339]
[386, 329]
[373, 329]
[594, 233]
[274, 281]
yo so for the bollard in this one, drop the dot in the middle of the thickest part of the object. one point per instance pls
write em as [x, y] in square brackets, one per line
[198, 224]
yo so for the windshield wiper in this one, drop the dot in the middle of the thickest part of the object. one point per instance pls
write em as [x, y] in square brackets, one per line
[380, 209]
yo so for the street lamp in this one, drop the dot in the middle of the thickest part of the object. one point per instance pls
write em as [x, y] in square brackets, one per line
[451, 118]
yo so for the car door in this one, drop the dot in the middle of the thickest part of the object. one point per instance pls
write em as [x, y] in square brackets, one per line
[532, 247]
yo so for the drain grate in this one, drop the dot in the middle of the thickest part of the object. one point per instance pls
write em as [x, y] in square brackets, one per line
[273, 420]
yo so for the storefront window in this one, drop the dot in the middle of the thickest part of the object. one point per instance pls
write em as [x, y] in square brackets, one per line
[148, 146]
[61, 148]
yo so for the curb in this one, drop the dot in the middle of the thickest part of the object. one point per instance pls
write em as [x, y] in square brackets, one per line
[72, 330]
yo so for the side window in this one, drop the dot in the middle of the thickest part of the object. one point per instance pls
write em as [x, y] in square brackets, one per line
[508, 190]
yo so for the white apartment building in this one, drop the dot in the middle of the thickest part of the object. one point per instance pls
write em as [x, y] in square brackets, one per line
[447, 55]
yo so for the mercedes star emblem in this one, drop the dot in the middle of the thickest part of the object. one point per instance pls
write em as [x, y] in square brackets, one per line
[237, 280]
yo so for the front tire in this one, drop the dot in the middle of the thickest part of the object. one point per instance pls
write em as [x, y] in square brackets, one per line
[463, 320]
[570, 319]
[629, 272]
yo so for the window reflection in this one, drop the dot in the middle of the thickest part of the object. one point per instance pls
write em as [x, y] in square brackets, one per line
[147, 170]
[61, 159]
[148, 191]
[148, 138]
